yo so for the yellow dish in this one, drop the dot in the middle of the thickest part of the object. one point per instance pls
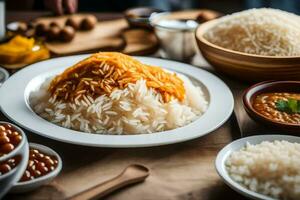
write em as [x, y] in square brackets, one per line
[20, 51]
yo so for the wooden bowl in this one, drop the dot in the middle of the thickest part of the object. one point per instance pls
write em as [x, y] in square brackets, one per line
[244, 66]
[265, 87]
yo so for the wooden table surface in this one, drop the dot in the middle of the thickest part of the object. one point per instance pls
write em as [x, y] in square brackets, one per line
[178, 171]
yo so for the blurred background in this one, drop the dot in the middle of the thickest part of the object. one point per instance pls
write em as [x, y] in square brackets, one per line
[224, 6]
[48, 25]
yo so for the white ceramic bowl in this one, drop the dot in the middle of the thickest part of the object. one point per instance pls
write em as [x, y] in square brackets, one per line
[7, 180]
[237, 145]
[27, 186]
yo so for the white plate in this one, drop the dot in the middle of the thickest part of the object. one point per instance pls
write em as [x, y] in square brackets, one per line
[14, 104]
[237, 145]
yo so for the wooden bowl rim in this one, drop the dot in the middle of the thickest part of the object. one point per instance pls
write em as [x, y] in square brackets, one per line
[249, 108]
[202, 28]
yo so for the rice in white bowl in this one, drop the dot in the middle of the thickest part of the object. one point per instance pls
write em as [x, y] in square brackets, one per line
[136, 109]
[269, 168]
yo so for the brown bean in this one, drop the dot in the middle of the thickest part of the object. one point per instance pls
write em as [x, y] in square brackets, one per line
[30, 163]
[8, 126]
[39, 156]
[47, 157]
[26, 176]
[16, 139]
[6, 148]
[32, 156]
[34, 151]
[31, 168]
[49, 162]
[4, 168]
[9, 132]
[2, 128]
[40, 164]
[37, 173]
[12, 162]
[15, 133]
[4, 140]
[42, 168]
[3, 133]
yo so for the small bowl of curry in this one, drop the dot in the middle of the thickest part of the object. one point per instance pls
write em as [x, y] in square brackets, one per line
[274, 103]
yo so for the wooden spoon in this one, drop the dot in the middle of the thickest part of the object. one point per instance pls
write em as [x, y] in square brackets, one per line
[131, 174]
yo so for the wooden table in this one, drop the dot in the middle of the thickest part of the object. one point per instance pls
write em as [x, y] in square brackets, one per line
[178, 171]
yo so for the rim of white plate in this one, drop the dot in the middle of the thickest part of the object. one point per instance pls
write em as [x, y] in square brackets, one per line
[13, 105]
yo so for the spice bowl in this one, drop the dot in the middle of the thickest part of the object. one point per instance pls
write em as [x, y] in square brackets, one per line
[15, 161]
[29, 185]
[270, 87]
[140, 17]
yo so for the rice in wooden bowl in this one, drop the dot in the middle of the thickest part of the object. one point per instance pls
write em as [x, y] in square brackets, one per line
[253, 45]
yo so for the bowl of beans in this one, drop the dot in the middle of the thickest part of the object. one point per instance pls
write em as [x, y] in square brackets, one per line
[14, 155]
[44, 164]
[275, 103]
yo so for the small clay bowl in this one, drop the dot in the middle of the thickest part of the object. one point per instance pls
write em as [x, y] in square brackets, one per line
[140, 17]
[267, 87]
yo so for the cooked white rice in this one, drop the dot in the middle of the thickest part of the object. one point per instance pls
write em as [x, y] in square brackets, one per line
[269, 168]
[134, 110]
[262, 31]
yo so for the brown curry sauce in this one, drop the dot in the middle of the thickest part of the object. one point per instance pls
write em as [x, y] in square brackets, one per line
[265, 104]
